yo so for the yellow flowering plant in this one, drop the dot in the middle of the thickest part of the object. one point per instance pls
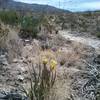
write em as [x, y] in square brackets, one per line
[45, 60]
[42, 81]
[53, 64]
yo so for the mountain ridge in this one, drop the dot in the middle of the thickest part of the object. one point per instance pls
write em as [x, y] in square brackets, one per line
[13, 5]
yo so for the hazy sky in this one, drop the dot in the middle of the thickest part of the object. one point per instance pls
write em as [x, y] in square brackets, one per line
[73, 5]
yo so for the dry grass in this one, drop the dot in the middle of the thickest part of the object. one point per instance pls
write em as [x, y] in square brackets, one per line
[41, 81]
[3, 36]
[9, 40]
[67, 57]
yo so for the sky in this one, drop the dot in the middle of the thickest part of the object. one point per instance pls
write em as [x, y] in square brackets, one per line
[72, 5]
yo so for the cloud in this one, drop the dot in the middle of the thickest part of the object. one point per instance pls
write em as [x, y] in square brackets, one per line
[32, 1]
[92, 5]
[37, 1]
[83, 5]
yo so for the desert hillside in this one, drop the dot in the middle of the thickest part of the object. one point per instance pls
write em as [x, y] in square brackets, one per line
[48, 56]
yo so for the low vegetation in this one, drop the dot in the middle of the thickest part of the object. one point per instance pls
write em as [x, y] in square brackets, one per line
[54, 51]
[42, 81]
[29, 25]
[9, 17]
[3, 37]
[98, 35]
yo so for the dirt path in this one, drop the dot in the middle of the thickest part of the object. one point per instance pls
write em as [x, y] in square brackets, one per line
[90, 41]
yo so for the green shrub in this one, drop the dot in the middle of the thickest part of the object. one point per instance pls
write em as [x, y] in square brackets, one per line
[29, 27]
[98, 34]
[9, 17]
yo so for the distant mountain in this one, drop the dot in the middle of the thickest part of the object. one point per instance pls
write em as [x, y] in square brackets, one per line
[19, 6]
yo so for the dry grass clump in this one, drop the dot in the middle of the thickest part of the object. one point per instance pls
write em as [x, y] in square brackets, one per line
[67, 57]
[10, 41]
[3, 36]
[49, 54]
[62, 55]
[42, 78]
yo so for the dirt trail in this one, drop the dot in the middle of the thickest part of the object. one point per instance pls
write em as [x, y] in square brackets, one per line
[90, 41]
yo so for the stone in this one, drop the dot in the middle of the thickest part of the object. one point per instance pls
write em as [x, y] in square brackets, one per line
[97, 59]
[15, 60]
[20, 78]
[12, 96]
[3, 60]
[2, 96]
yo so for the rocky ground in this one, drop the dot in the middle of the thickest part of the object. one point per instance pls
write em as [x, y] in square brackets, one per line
[78, 62]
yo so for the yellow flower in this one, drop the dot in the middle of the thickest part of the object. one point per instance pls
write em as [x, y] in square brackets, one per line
[53, 64]
[45, 60]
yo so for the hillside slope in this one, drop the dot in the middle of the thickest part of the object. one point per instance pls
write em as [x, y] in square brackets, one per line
[12, 5]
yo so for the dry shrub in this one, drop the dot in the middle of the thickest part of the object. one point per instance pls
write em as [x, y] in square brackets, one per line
[31, 50]
[62, 56]
[3, 36]
[48, 54]
[41, 81]
[14, 49]
[10, 41]
[72, 56]
[83, 50]
[67, 57]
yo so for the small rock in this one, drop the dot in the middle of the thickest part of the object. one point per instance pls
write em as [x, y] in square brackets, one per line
[2, 56]
[3, 60]
[2, 96]
[27, 40]
[12, 96]
[20, 78]
[97, 59]
[15, 60]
